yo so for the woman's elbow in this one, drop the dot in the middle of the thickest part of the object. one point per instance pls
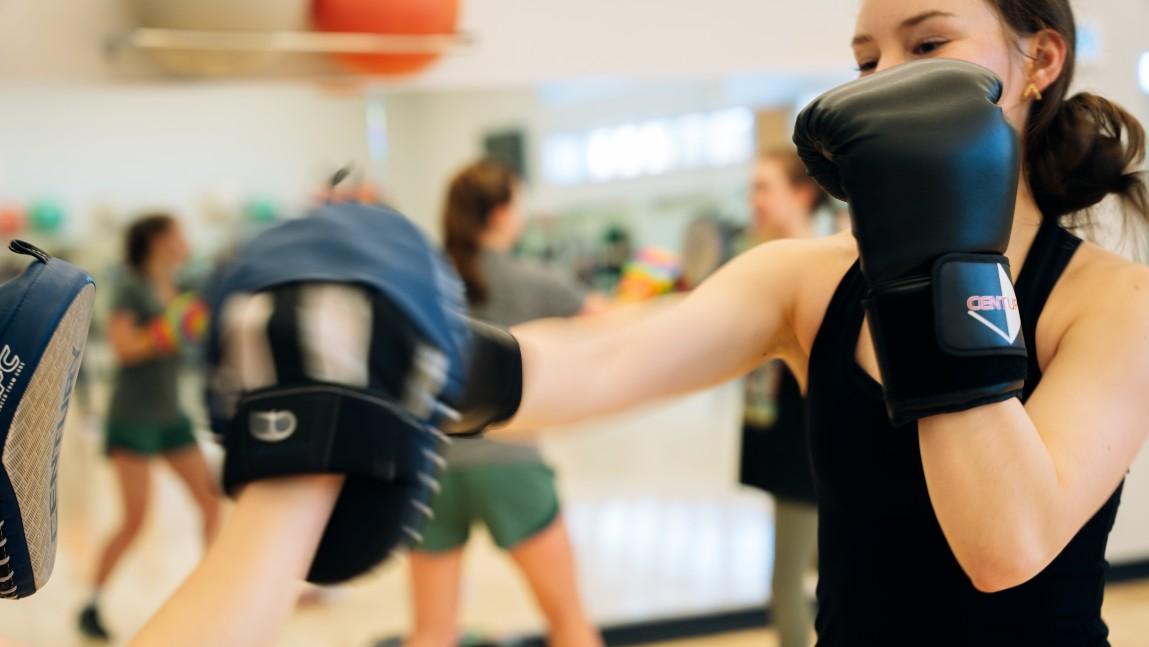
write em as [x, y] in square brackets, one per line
[1005, 568]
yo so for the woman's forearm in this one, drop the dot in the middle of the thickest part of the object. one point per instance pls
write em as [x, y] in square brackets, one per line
[593, 366]
[580, 369]
[571, 365]
[246, 586]
[564, 368]
[995, 488]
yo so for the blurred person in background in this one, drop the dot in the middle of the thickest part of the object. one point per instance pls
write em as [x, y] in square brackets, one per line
[151, 320]
[775, 454]
[504, 485]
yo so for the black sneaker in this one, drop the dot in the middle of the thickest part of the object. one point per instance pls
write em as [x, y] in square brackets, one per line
[90, 624]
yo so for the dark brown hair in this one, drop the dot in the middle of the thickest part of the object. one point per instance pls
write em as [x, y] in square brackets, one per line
[796, 173]
[474, 193]
[141, 233]
[1081, 148]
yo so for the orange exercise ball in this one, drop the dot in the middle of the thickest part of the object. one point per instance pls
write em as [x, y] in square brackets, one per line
[387, 17]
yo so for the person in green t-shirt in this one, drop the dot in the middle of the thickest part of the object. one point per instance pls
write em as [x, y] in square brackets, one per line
[151, 320]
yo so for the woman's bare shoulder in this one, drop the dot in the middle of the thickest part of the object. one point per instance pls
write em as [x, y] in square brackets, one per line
[1098, 277]
[1099, 289]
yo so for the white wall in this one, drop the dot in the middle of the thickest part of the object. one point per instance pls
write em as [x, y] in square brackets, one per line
[544, 40]
[1124, 35]
[433, 133]
[106, 152]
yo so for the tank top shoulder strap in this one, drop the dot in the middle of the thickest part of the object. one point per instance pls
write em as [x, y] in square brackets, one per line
[842, 319]
[1048, 257]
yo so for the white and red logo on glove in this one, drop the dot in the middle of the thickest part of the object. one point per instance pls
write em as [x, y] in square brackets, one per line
[1004, 304]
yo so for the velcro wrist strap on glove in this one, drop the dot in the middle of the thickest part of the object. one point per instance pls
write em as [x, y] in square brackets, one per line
[494, 387]
[325, 429]
[949, 341]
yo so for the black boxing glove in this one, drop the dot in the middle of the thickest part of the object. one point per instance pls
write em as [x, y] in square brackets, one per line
[929, 167]
[494, 386]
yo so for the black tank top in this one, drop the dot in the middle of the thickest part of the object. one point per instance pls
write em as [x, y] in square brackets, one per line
[887, 575]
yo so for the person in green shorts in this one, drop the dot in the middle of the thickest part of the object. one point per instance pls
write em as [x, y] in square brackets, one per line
[504, 486]
[150, 321]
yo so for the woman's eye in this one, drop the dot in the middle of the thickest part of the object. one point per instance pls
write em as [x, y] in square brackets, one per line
[929, 46]
[866, 67]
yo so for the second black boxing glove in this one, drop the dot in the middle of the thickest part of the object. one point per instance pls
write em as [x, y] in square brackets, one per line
[929, 167]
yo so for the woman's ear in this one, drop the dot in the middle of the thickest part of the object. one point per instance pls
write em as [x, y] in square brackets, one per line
[1047, 52]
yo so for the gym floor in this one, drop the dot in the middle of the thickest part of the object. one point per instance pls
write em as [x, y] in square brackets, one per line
[659, 528]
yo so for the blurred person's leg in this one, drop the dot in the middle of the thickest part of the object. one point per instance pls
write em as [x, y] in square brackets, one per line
[795, 548]
[435, 579]
[520, 507]
[189, 465]
[436, 565]
[547, 561]
[133, 476]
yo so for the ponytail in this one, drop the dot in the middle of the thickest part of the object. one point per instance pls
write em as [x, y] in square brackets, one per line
[474, 193]
[1091, 148]
[1082, 148]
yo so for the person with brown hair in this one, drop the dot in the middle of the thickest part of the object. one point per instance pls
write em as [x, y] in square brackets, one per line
[775, 456]
[506, 486]
[969, 438]
[151, 319]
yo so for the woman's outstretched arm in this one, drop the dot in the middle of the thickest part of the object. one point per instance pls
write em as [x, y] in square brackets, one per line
[734, 320]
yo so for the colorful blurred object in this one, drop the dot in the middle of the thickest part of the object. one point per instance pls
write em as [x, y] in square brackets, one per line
[194, 317]
[218, 16]
[652, 272]
[388, 17]
[46, 216]
[183, 323]
[11, 220]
